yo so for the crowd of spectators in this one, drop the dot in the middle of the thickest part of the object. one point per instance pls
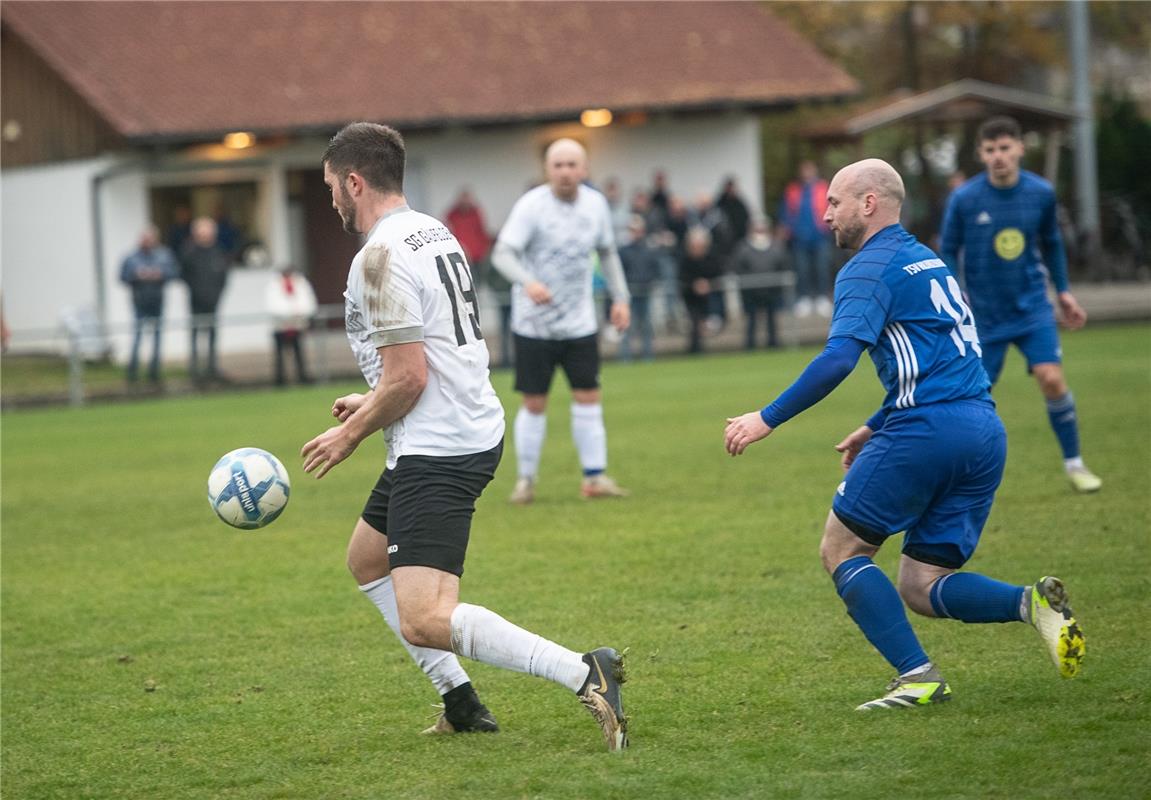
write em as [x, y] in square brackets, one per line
[681, 257]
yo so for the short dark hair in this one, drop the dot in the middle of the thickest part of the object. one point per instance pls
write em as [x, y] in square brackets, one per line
[374, 151]
[995, 127]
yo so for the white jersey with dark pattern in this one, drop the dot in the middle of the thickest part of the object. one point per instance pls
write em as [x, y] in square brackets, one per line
[558, 241]
[411, 283]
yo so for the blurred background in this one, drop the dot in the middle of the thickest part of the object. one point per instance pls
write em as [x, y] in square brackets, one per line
[123, 123]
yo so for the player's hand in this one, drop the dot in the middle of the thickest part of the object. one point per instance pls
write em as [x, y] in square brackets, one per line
[701, 286]
[347, 405]
[744, 430]
[1074, 317]
[621, 316]
[326, 450]
[854, 442]
[538, 293]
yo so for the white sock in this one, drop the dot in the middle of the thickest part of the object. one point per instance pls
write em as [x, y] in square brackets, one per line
[590, 436]
[485, 636]
[441, 667]
[917, 671]
[1073, 463]
[530, 432]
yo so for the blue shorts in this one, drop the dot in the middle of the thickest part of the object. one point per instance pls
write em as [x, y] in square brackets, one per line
[931, 471]
[1040, 346]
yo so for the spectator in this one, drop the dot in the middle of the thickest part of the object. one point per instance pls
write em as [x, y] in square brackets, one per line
[5, 332]
[642, 269]
[734, 209]
[465, 220]
[758, 261]
[672, 236]
[620, 212]
[180, 229]
[802, 209]
[205, 269]
[146, 271]
[707, 215]
[699, 272]
[660, 194]
[228, 236]
[291, 301]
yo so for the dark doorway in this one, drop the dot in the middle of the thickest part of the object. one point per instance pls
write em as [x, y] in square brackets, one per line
[329, 248]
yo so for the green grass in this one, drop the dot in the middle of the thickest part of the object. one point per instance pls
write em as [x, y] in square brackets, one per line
[272, 677]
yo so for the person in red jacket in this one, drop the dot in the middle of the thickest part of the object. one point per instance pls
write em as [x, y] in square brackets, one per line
[801, 212]
[466, 222]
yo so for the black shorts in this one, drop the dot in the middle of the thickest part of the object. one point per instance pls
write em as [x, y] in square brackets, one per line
[536, 361]
[425, 505]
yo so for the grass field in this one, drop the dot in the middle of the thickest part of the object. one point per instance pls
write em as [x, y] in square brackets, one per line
[151, 652]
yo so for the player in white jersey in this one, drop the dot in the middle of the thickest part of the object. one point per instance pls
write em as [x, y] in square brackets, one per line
[546, 250]
[413, 324]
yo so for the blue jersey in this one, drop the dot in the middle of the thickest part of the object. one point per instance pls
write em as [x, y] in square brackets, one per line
[901, 300]
[1005, 243]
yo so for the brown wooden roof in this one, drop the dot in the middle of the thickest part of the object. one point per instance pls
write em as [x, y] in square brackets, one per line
[177, 70]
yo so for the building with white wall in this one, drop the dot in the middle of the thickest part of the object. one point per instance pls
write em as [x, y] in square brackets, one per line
[105, 131]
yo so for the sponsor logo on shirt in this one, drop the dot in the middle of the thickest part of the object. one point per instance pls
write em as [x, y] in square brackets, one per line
[983, 219]
[841, 489]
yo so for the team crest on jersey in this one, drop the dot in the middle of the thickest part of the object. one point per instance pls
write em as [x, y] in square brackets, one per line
[1009, 244]
[983, 219]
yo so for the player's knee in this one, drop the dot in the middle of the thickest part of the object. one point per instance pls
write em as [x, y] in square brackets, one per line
[365, 566]
[828, 556]
[917, 597]
[360, 573]
[1051, 381]
[416, 632]
[536, 403]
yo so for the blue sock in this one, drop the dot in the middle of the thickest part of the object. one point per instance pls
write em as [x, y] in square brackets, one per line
[971, 597]
[875, 606]
[1061, 412]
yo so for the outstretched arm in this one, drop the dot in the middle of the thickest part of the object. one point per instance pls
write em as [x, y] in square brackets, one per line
[405, 374]
[822, 375]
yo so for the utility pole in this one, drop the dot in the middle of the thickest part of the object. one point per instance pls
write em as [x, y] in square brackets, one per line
[1086, 165]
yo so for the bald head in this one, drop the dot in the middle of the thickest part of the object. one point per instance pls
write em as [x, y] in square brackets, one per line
[566, 166]
[862, 199]
[876, 176]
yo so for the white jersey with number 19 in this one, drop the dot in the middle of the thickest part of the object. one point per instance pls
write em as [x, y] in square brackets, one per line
[411, 283]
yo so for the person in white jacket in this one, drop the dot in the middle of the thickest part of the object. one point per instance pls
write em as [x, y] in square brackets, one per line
[292, 303]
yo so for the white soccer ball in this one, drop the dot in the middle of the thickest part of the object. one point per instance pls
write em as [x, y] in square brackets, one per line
[248, 488]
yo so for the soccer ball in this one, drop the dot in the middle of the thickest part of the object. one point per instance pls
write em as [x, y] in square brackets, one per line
[248, 488]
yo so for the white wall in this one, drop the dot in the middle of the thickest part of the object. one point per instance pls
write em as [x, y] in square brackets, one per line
[498, 165]
[46, 242]
[48, 261]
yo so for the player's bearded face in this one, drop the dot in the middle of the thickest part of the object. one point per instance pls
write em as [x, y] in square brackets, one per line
[346, 209]
[1001, 157]
[341, 200]
[565, 171]
[844, 217]
[849, 230]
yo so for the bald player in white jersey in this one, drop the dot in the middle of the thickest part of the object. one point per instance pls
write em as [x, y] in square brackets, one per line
[546, 249]
[414, 326]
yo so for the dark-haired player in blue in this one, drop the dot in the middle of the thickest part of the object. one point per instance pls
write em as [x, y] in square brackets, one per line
[1000, 236]
[928, 462]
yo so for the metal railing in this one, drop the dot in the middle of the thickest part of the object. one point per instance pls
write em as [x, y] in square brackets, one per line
[82, 341]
